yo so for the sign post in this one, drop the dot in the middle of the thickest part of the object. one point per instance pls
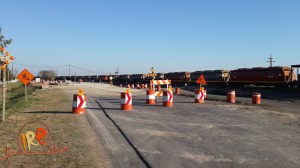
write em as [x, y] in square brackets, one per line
[110, 80]
[3, 93]
[4, 61]
[25, 77]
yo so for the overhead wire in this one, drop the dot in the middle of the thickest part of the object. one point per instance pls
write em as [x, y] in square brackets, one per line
[34, 66]
[61, 66]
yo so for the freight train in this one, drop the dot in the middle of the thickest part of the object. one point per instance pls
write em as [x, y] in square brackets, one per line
[244, 76]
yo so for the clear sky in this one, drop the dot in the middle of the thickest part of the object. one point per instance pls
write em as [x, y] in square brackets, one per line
[134, 35]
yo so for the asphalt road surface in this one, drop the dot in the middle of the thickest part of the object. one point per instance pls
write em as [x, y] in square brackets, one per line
[213, 134]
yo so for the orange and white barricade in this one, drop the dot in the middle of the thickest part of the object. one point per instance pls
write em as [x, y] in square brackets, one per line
[79, 103]
[150, 97]
[168, 98]
[256, 98]
[126, 100]
[231, 96]
[158, 83]
[199, 96]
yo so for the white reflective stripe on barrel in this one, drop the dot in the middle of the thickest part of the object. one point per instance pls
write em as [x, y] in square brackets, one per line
[150, 97]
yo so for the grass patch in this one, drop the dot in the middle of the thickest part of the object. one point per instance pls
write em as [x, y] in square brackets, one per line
[15, 98]
[53, 107]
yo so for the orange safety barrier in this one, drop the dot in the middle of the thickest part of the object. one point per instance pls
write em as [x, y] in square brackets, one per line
[79, 104]
[150, 97]
[126, 100]
[199, 96]
[151, 86]
[159, 92]
[231, 96]
[168, 98]
[177, 91]
[256, 98]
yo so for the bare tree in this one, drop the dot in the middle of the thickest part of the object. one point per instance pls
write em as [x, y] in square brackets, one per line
[47, 74]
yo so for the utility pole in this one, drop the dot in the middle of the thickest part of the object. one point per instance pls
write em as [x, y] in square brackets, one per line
[12, 70]
[270, 60]
[117, 72]
[3, 93]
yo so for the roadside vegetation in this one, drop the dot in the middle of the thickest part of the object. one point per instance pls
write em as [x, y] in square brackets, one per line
[51, 106]
[15, 98]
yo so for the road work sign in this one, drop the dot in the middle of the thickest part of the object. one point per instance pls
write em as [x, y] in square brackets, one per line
[25, 77]
[201, 80]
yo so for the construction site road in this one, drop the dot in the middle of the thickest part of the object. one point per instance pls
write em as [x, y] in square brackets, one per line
[213, 134]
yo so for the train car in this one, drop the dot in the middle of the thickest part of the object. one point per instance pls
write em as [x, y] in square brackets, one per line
[122, 78]
[262, 76]
[104, 78]
[295, 70]
[213, 76]
[178, 76]
[94, 78]
[135, 78]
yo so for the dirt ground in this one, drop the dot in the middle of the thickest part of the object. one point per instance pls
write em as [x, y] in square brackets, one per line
[52, 107]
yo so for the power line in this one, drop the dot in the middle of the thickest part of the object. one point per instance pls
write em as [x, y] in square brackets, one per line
[34, 66]
[61, 66]
[86, 70]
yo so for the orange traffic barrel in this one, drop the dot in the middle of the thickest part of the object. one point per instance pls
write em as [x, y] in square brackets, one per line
[146, 86]
[143, 86]
[231, 96]
[132, 85]
[128, 85]
[158, 88]
[150, 86]
[126, 100]
[150, 97]
[256, 97]
[199, 96]
[138, 86]
[168, 98]
[79, 104]
[177, 91]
